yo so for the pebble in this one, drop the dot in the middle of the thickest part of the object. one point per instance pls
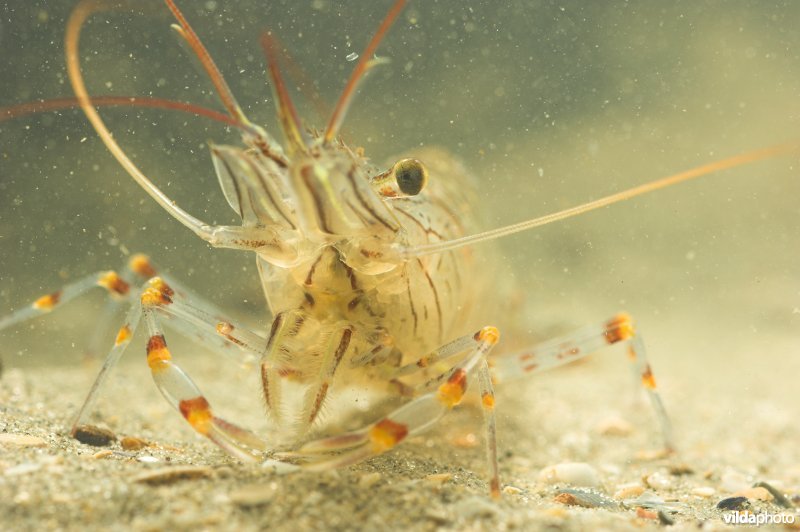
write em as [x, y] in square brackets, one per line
[658, 481]
[130, 443]
[732, 503]
[439, 478]
[574, 473]
[780, 498]
[105, 453]
[369, 479]
[732, 481]
[254, 494]
[628, 491]
[170, 475]
[22, 469]
[512, 490]
[680, 469]
[704, 492]
[646, 514]
[759, 494]
[94, 436]
[21, 440]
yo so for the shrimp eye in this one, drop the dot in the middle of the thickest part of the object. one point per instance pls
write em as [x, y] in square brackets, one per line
[411, 176]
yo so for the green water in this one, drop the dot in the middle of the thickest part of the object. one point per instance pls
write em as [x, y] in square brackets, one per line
[549, 103]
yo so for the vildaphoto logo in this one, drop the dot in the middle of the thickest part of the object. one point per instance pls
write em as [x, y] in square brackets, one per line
[757, 519]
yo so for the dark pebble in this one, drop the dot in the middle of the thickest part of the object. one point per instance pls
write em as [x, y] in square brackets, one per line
[664, 519]
[732, 503]
[95, 436]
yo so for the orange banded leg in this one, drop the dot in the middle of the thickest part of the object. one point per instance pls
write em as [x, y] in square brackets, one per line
[184, 395]
[139, 269]
[581, 343]
[415, 416]
[109, 280]
[121, 342]
[194, 320]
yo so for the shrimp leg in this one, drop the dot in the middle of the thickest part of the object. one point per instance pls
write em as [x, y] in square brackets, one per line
[416, 416]
[581, 343]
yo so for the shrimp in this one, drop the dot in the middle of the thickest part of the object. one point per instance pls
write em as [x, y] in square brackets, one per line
[369, 274]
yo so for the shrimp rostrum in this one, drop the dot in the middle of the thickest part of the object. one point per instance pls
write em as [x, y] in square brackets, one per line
[367, 272]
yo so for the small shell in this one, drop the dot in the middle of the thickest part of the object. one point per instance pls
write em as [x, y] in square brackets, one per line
[170, 475]
[254, 494]
[704, 492]
[628, 491]
[759, 494]
[21, 440]
[658, 481]
[129, 443]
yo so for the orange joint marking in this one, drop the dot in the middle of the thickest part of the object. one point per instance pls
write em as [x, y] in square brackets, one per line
[157, 353]
[489, 335]
[225, 329]
[386, 434]
[46, 303]
[422, 362]
[123, 335]
[158, 293]
[141, 266]
[648, 381]
[487, 399]
[159, 284]
[631, 353]
[113, 283]
[452, 391]
[197, 412]
[619, 328]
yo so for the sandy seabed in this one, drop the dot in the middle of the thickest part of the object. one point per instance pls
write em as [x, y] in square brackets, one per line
[730, 435]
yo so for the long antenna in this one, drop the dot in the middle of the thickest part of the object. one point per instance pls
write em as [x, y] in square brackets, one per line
[41, 106]
[287, 113]
[363, 66]
[737, 160]
[71, 40]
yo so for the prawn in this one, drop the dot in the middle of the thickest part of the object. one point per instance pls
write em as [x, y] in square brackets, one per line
[368, 273]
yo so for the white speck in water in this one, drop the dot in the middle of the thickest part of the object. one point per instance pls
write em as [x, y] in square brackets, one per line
[690, 255]
[352, 56]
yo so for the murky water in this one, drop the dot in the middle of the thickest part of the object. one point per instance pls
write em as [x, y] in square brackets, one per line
[549, 103]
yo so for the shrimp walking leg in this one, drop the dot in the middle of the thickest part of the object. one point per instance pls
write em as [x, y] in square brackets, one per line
[417, 415]
[110, 280]
[192, 321]
[581, 343]
[176, 386]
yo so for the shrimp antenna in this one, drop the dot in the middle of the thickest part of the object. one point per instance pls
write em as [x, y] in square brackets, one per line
[71, 41]
[223, 90]
[40, 106]
[290, 121]
[716, 166]
[364, 65]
